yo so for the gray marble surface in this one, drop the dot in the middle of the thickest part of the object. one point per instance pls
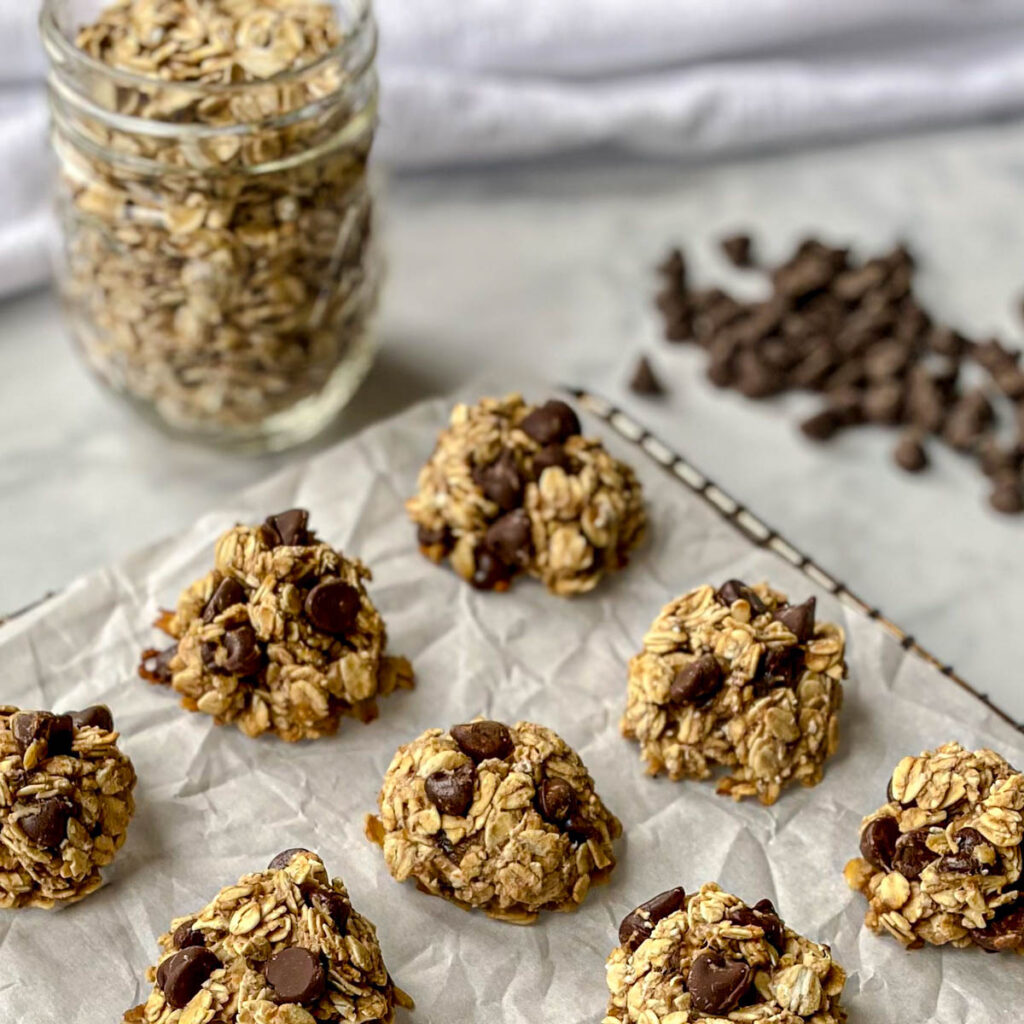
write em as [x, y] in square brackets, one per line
[548, 268]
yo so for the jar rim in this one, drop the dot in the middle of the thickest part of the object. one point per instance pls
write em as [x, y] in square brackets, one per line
[54, 39]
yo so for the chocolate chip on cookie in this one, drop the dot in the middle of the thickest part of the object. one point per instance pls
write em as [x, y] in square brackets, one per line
[696, 681]
[296, 975]
[717, 985]
[638, 924]
[333, 606]
[483, 740]
[229, 592]
[451, 792]
[181, 975]
[552, 422]
[289, 528]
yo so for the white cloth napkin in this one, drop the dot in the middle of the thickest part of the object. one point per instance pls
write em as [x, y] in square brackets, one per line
[489, 80]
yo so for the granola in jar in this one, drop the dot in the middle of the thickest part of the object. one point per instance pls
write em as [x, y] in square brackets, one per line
[217, 263]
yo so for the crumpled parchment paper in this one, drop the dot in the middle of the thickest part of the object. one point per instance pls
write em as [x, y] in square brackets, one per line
[213, 804]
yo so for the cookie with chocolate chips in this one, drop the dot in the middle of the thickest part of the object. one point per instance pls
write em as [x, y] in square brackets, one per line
[940, 861]
[502, 818]
[737, 676]
[65, 803]
[282, 945]
[701, 957]
[513, 488]
[280, 637]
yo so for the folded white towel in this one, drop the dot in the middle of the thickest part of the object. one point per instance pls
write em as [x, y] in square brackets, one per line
[487, 80]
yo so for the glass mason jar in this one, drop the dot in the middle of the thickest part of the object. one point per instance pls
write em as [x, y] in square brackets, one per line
[217, 261]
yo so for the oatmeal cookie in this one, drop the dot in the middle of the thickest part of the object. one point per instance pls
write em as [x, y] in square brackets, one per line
[516, 488]
[737, 677]
[280, 637]
[501, 818]
[941, 860]
[283, 946]
[709, 956]
[65, 803]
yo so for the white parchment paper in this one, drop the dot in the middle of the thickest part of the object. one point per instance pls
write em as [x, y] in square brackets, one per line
[213, 804]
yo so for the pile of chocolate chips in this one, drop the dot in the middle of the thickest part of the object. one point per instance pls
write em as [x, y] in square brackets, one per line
[854, 332]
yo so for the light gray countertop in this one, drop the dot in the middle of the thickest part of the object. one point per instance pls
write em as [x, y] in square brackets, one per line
[549, 268]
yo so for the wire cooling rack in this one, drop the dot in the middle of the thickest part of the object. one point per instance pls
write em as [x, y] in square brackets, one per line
[761, 533]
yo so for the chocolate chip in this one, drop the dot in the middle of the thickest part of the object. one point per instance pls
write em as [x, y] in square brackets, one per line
[332, 905]
[289, 527]
[243, 657]
[911, 854]
[762, 915]
[556, 801]
[878, 842]
[798, 619]
[696, 681]
[444, 844]
[822, 425]
[156, 665]
[1004, 932]
[1006, 496]
[551, 455]
[909, 454]
[510, 538]
[97, 716]
[284, 858]
[54, 732]
[29, 726]
[738, 250]
[181, 975]
[638, 924]
[883, 402]
[438, 537]
[208, 652]
[736, 590]
[47, 825]
[780, 666]
[185, 935]
[483, 740]
[228, 592]
[551, 422]
[968, 420]
[296, 975]
[964, 861]
[673, 269]
[644, 380]
[500, 481]
[451, 792]
[333, 606]
[489, 571]
[717, 985]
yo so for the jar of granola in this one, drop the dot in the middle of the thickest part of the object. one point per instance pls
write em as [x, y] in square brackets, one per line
[217, 262]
